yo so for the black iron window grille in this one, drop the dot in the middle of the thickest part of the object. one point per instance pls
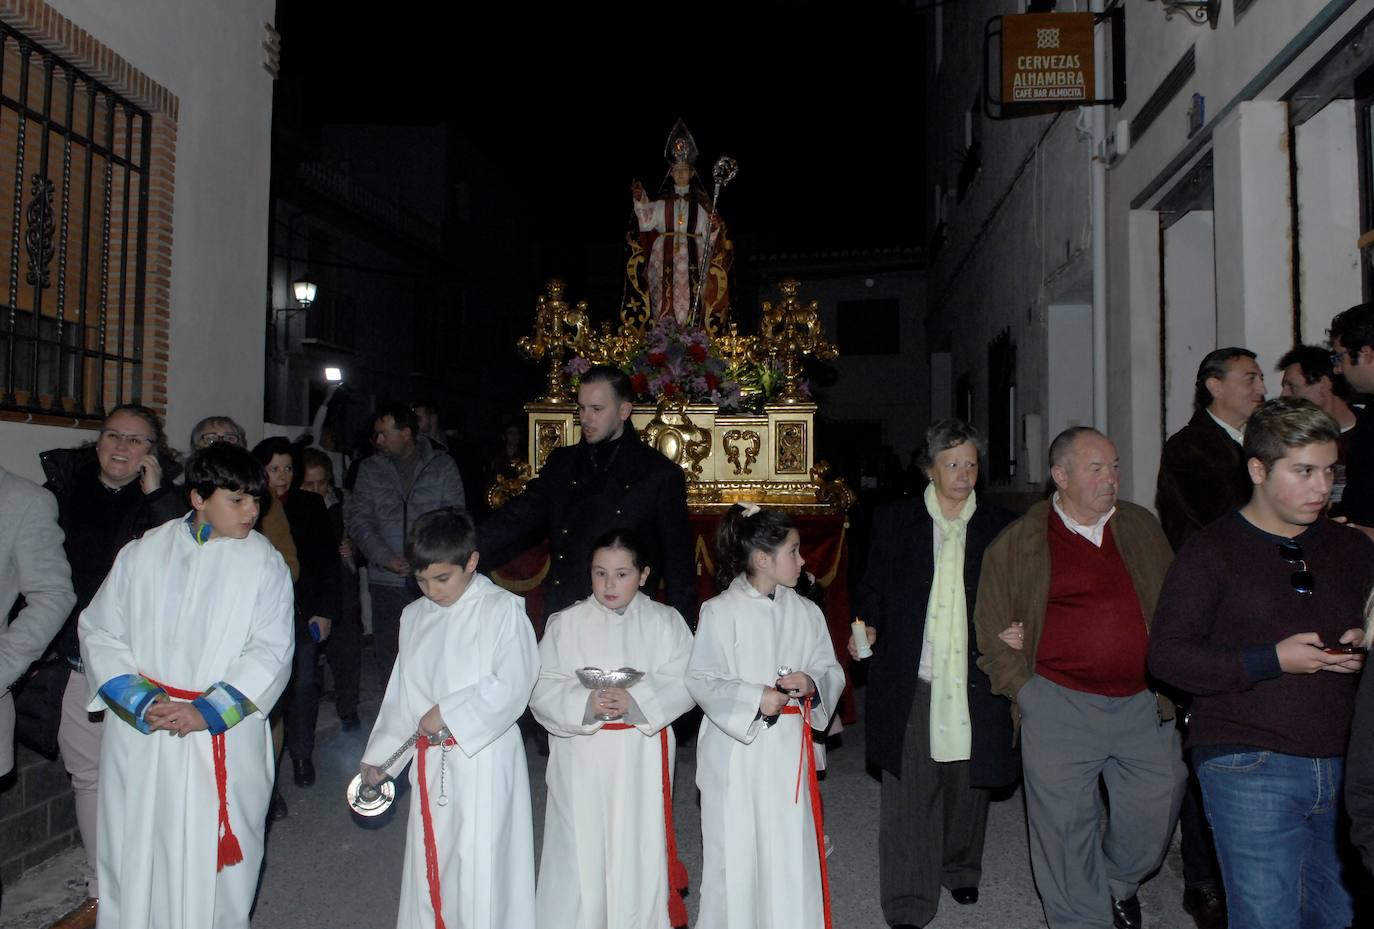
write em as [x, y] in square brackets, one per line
[73, 269]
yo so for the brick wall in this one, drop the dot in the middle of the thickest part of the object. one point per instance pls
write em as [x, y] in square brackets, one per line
[37, 811]
[37, 814]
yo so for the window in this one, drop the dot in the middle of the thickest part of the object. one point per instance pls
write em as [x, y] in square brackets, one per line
[1002, 407]
[74, 175]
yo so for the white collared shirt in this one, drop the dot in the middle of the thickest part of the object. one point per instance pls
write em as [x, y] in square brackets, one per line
[1237, 434]
[1093, 532]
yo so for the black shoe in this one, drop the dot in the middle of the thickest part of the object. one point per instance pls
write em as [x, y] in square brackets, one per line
[1207, 906]
[277, 809]
[303, 771]
[349, 723]
[965, 895]
[1126, 913]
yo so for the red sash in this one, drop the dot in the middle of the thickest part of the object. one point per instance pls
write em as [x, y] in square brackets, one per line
[229, 851]
[807, 761]
[427, 822]
[677, 871]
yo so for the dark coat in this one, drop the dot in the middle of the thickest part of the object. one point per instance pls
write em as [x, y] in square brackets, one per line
[892, 597]
[317, 547]
[72, 472]
[1202, 477]
[571, 505]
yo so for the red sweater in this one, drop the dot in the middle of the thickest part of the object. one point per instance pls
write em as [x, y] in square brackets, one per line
[1095, 639]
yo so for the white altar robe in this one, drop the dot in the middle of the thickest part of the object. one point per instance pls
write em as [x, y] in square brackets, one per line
[477, 660]
[604, 863]
[761, 867]
[189, 616]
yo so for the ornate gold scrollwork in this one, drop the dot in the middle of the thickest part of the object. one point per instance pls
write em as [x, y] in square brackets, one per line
[791, 445]
[836, 493]
[548, 436]
[680, 440]
[789, 332]
[557, 328]
[510, 484]
[751, 454]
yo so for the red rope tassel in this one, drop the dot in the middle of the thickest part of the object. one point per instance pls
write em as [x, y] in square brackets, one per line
[228, 852]
[677, 871]
[427, 822]
[817, 814]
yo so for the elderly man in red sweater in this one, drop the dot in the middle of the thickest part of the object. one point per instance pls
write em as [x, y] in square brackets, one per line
[1259, 619]
[1064, 607]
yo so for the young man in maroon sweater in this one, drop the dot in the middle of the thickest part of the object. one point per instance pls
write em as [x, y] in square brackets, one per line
[1063, 612]
[1259, 619]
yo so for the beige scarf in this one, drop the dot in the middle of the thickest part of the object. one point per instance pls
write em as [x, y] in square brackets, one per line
[951, 734]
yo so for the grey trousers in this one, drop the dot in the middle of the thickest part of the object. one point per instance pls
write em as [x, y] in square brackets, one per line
[930, 827]
[1068, 740]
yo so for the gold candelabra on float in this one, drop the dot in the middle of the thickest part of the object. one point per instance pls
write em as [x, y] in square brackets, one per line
[557, 328]
[791, 331]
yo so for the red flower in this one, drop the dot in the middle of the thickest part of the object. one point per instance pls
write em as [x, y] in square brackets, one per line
[697, 353]
[658, 359]
[640, 383]
[670, 390]
[712, 382]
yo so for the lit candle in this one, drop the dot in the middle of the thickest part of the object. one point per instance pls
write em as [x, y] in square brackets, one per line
[860, 632]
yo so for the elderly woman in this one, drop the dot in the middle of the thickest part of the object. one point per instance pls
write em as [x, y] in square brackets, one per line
[941, 738]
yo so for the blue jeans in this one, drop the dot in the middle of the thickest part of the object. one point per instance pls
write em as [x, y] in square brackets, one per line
[1276, 819]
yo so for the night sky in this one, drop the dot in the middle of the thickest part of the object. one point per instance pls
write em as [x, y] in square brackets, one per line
[820, 103]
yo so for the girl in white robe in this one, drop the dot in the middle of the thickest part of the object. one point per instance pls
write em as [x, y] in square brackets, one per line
[466, 666]
[605, 863]
[763, 670]
[191, 635]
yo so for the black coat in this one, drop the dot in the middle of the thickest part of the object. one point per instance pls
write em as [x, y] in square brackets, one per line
[571, 504]
[73, 476]
[1202, 477]
[892, 597]
[317, 548]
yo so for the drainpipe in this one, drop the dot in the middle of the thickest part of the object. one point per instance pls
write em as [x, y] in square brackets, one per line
[1097, 175]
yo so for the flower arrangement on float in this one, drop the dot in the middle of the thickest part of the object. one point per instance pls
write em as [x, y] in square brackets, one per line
[676, 362]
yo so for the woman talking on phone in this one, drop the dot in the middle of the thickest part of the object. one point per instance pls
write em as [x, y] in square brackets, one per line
[108, 494]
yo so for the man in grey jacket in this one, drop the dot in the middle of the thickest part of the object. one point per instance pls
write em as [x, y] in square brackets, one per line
[407, 480]
[32, 563]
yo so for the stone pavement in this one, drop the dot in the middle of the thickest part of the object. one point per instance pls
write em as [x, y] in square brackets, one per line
[324, 870]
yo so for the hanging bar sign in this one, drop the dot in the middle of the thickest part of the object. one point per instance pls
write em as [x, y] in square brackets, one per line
[1047, 58]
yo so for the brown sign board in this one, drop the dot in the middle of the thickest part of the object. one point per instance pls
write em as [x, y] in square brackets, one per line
[1048, 58]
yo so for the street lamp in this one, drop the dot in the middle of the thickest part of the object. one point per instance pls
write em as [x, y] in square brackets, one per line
[305, 292]
[333, 375]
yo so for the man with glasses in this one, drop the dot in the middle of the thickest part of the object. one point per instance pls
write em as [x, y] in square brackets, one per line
[1352, 356]
[1259, 619]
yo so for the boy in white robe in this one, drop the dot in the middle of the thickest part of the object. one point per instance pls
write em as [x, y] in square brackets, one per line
[467, 664]
[608, 846]
[189, 642]
[763, 670]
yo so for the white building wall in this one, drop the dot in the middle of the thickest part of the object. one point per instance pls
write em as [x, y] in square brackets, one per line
[1243, 74]
[210, 56]
[1020, 241]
